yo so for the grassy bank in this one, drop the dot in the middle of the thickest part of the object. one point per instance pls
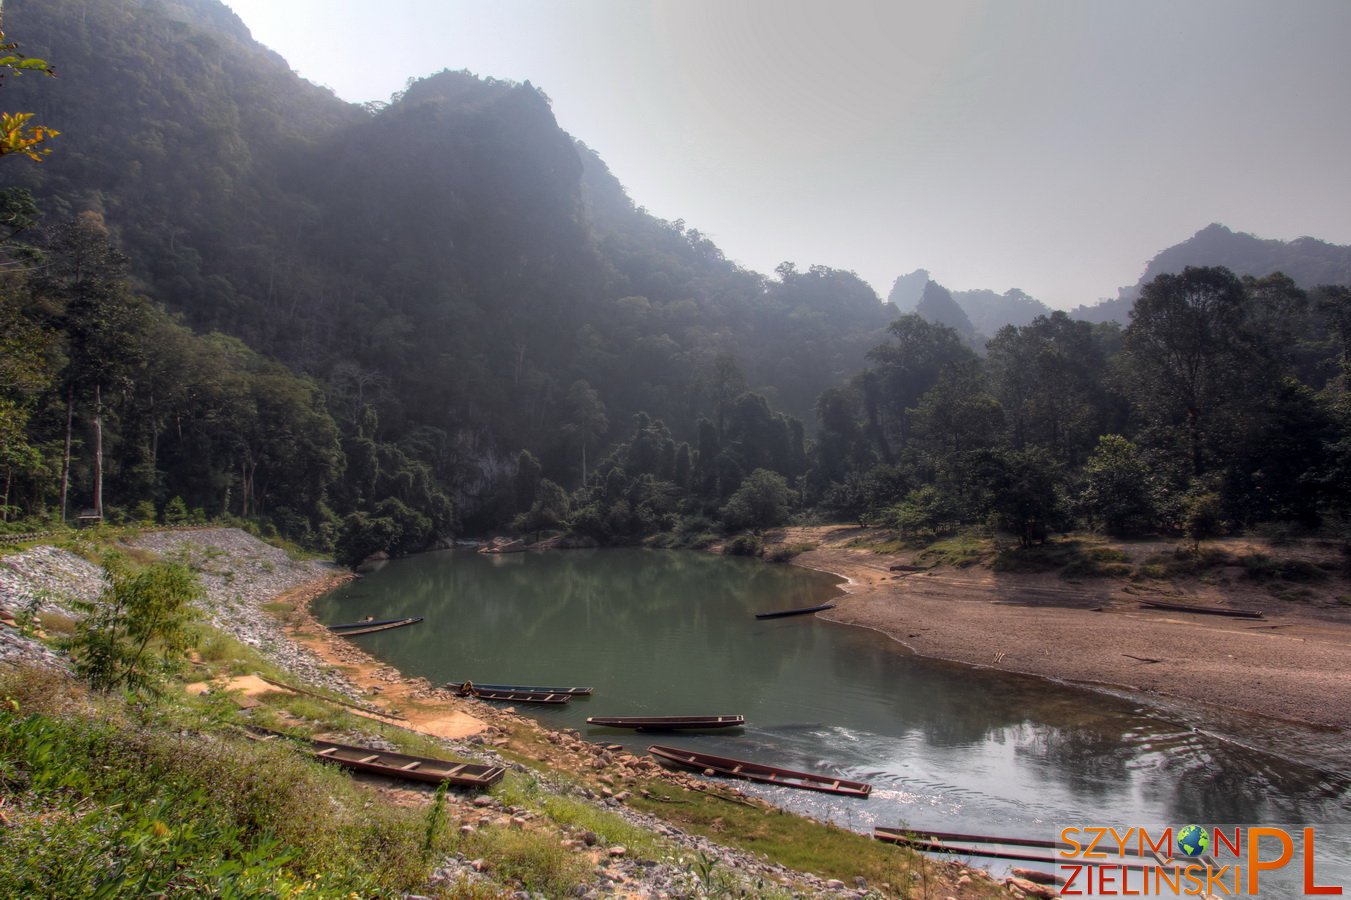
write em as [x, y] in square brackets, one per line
[161, 793]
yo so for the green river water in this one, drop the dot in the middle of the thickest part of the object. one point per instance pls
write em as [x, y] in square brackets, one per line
[947, 747]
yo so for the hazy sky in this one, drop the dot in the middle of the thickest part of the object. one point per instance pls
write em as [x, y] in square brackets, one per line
[1053, 146]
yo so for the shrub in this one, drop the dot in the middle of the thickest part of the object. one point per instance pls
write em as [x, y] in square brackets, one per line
[743, 545]
[138, 629]
[176, 512]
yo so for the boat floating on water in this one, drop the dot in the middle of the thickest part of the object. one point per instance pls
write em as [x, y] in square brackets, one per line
[801, 611]
[753, 771]
[990, 847]
[515, 696]
[531, 689]
[395, 765]
[666, 723]
[352, 628]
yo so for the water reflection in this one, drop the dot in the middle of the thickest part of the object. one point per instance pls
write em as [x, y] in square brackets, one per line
[947, 746]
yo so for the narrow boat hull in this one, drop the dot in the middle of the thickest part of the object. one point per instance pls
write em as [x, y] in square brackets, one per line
[519, 696]
[395, 765]
[801, 611]
[667, 723]
[350, 630]
[530, 689]
[752, 771]
[1206, 610]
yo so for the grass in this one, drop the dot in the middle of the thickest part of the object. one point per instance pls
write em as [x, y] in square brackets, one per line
[133, 802]
[960, 552]
[792, 841]
[1260, 567]
[1182, 564]
[782, 553]
[1074, 558]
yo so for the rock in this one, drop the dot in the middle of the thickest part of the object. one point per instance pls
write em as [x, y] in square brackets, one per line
[1038, 877]
[590, 838]
[1031, 889]
[835, 884]
[483, 800]
[963, 881]
[617, 851]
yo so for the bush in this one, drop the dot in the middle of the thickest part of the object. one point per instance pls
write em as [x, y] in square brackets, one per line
[176, 512]
[138, 629]
[743, 545]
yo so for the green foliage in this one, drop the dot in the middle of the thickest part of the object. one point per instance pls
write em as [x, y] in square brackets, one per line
[118, 810]
[744, 545]
[1117, 487]
[1260, 567]
[762, 501]
[138, 630]
[176, 512]
[1073, 559]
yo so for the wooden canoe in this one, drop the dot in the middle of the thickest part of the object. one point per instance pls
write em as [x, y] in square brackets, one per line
[752, 771]
[666, 723]
[369, 627]
[517, 696]
[1024, 849]
[1208, 610]
[396, 765]
[532, 689]
[801, 611]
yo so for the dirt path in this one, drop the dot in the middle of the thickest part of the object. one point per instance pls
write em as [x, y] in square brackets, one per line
[1095, 632]
[422, 706]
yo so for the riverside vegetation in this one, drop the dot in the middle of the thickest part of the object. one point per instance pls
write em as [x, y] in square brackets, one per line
[139, 788]
[212, 332]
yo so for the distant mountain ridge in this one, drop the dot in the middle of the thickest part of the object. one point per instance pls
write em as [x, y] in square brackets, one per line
[1308, 261]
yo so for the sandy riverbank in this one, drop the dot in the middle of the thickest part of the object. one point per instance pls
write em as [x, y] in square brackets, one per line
[1293, 665]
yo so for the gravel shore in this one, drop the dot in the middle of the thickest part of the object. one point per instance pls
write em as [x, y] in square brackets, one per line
[241, 574]
[1291, 666]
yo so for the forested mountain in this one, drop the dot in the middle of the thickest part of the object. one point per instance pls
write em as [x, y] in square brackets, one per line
[451, 269]
[982, 312]
[369, 327]
[1306, 261]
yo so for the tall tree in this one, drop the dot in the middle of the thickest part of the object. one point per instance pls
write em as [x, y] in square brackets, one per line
[1189, 354]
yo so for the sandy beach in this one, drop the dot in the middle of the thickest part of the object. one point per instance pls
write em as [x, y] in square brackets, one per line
[1292, 665]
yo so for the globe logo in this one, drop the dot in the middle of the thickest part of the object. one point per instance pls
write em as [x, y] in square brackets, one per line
[1193, 840]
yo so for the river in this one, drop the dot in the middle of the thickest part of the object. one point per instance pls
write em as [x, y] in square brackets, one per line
[947, 747]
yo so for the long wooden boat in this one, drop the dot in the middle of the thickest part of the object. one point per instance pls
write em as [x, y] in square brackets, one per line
[370, 627]
[666, 723]
[753, 771]
[365, 623]
[518, 696]
[800, 611]
[533, 689]
[396, 765]
[1208, 610]
[990, 847]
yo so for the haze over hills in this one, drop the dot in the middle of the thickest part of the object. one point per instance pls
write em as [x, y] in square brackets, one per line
[392, 321]
[1307, 261]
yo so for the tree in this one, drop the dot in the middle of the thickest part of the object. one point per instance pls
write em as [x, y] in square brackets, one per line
[1117, 489]
[550, 509]
[18, 133]
[104, 324]
[762, 501]
[587, 420]
[1189, 357]
[138, 630]
[910, 365]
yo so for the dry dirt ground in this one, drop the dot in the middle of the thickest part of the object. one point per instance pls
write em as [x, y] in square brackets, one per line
[1292, 665]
